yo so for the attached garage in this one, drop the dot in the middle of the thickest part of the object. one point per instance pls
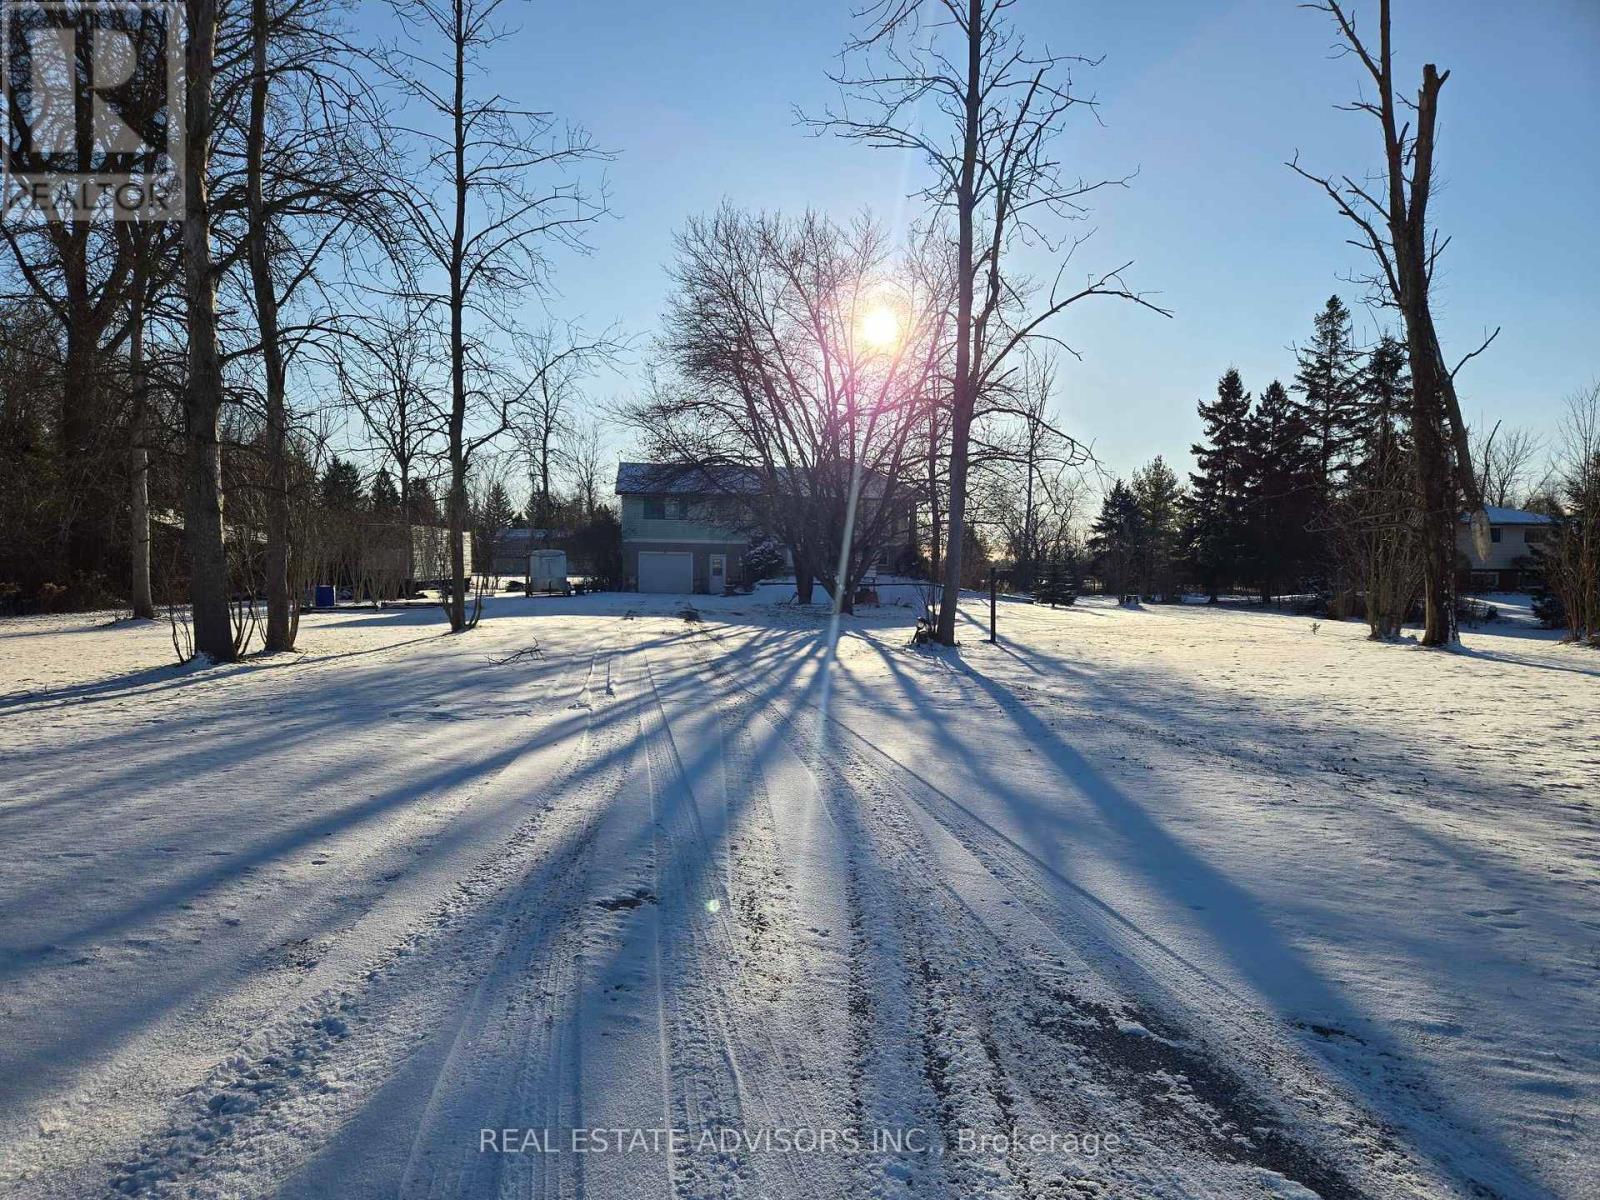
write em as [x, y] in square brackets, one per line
[666, 571]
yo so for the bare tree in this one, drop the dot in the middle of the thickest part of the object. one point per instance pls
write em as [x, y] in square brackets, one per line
[384, 376]
[587, 458]
[996, 175]
[1571, 555]
[1506, 461]
[780, 375]
[1391, 218]
[94, 277]
[310, 180]
[557, 361]
[203, 395]
[495, 190]
[1027, 471]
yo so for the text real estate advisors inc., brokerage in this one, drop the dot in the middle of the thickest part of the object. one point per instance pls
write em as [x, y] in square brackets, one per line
[913, 1140]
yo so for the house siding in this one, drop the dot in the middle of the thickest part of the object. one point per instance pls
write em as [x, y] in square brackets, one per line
[702, 553]
[700, 527]
[698, 534]
[1507, 557]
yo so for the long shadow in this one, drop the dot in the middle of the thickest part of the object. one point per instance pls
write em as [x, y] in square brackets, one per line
[176, 677]
[1271, 959]
[103, 1035]
[268, 723]
[1501, 656]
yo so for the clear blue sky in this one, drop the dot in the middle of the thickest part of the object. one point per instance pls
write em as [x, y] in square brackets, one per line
[1207, 100]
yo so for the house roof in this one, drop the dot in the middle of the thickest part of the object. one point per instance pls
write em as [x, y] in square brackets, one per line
[1510, 516]
[716, 479]
[674, 479]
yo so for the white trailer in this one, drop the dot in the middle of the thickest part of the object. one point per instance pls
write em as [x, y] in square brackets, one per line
[547, 572]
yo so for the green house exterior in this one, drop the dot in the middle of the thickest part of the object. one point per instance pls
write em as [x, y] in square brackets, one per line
[664, 524]
[684, 529]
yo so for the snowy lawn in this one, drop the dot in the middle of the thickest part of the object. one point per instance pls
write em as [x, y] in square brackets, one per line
[1202, 902]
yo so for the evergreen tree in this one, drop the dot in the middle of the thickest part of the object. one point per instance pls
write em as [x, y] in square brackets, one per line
[1046, 584]
[1118, 539]
[493, 517]
[1217, 533]
[1058, 583]
[1283, 539]
[341, 486]
[1375, 514]
[496, 512]
[1160, 500]
[1328, 381]
[424, 508]
[385, 495]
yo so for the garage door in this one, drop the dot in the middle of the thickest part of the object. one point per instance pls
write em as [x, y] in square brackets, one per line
[660, 571]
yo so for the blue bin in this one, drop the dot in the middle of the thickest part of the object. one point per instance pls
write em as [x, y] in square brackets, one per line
[324, 595]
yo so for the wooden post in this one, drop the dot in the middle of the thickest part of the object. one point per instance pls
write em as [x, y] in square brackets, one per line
[991, 604]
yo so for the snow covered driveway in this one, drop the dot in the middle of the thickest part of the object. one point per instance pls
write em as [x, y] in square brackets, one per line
[1162, 903]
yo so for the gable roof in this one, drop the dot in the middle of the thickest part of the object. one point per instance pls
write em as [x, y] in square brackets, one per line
[674, 479]
[722, 479]
[1510, 516]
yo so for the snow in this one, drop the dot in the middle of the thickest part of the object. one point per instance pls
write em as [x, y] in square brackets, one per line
[1215, 901]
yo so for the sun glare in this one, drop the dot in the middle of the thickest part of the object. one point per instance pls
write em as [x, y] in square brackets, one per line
[880, 328]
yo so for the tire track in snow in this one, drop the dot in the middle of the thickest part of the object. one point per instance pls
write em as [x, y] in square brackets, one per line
[776, 948]
[1217, 1110]
[271, 1106]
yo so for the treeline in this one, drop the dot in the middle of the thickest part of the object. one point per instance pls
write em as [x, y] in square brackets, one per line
[1274, 477]
[354, 224]
[1309, 491]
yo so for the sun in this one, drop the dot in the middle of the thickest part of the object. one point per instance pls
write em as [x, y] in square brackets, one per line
[880, 327]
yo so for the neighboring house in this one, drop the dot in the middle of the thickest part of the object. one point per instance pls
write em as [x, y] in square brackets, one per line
[680, 529]
[684, 528]
[1514, 540]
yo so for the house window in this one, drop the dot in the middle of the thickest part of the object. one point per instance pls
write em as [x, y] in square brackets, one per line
[655, 509]
[1533, 535]
[1494, 534]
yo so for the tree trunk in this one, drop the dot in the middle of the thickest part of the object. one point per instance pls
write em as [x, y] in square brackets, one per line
[935, 529]
[544, 477]
[458, 365]
[78, 379]
[140, 596]
[280, 627]
[803, 580]
[966, 370]
[203, 527]
[404, 465]
[1436, 502]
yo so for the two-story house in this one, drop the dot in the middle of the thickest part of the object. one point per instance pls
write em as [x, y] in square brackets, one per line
[680, 526]
[1514, 540]
[685, 529]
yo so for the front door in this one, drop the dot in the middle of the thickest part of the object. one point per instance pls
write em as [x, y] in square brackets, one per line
[719, 571]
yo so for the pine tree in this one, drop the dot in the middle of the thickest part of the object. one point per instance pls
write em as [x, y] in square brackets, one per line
[1160, 500]
[1284, 542]
[341, 486]
[1047, 587]
[1217, 532]
[385, 495]
[494, 516]
[1375, 515]
[1328, 381]
[424, 508]
[1118, 539]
